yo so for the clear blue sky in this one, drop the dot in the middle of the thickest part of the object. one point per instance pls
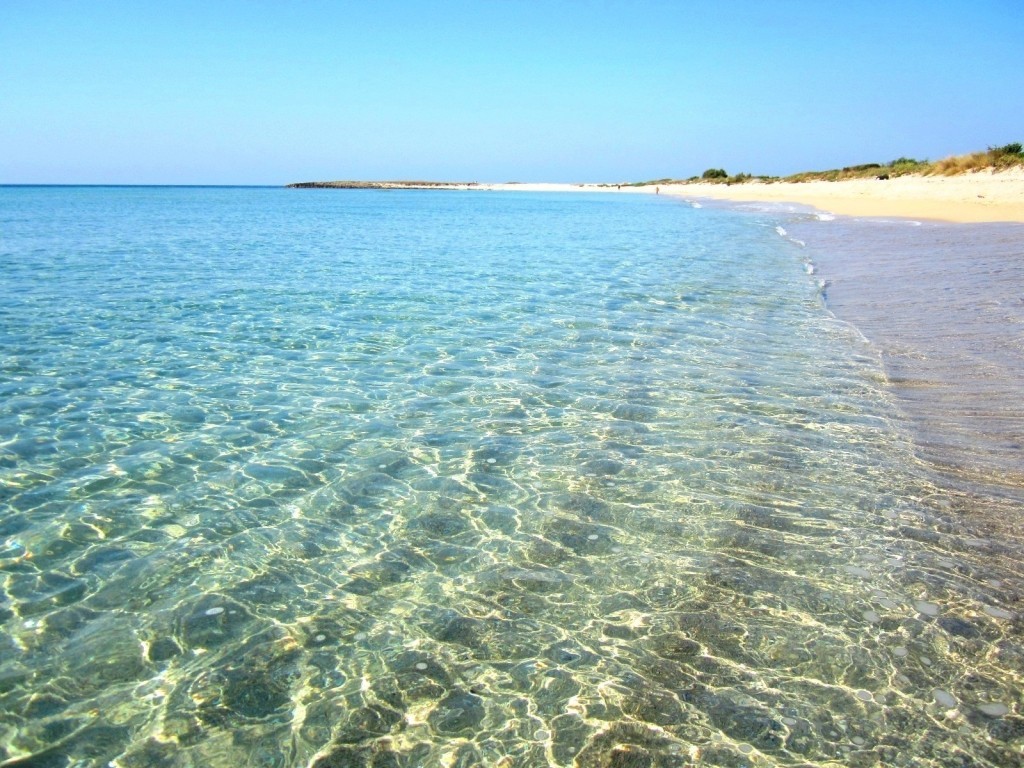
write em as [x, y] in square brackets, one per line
[534, 90]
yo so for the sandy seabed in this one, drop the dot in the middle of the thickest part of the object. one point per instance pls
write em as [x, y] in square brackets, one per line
[983, 196]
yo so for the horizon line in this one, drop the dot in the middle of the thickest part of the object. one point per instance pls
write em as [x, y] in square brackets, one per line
[116, 184]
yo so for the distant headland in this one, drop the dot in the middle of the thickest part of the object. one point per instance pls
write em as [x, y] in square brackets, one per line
[381, 185]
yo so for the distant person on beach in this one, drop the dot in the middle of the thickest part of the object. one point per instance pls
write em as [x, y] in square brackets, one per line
[657, 190]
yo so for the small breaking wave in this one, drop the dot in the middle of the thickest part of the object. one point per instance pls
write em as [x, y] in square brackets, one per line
[781, 231]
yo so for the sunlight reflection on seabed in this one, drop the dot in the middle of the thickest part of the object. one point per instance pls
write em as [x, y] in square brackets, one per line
[581, 480]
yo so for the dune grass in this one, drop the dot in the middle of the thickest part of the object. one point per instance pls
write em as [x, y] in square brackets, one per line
[997, 158]
[994, 158]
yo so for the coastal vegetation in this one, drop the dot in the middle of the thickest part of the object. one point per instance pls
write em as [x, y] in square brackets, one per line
[1006, 156]
[994, 158]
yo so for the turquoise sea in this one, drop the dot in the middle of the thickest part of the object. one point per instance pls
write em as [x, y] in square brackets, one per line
[400, 478]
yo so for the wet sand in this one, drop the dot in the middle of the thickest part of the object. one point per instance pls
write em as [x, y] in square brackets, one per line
[944, 306]
[922, 268]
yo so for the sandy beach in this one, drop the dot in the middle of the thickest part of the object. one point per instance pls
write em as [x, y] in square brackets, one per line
[978, 197]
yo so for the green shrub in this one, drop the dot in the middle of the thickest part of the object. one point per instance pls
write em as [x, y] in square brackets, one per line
[1008, 149]
[715, 173]
[902, 166]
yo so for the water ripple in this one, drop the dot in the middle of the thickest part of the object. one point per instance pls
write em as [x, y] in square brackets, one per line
[403, 479]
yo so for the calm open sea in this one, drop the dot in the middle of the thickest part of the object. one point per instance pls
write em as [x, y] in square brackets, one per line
[329, 478]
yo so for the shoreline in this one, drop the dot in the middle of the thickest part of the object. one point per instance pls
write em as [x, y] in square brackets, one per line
[940, 305]
[946, 361]
[937, 302]
[979, 197]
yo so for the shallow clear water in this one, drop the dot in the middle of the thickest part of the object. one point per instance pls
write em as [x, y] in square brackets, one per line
[402, 478]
